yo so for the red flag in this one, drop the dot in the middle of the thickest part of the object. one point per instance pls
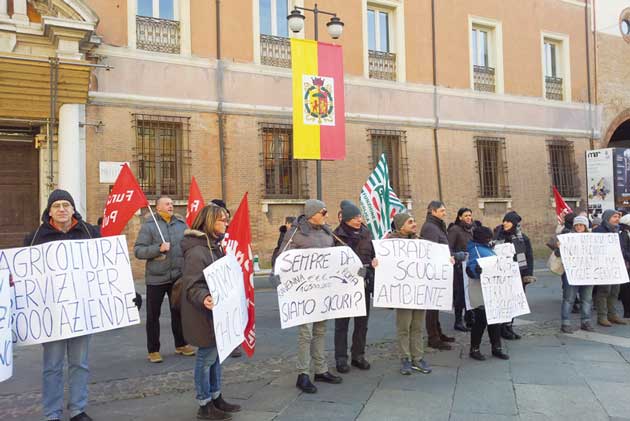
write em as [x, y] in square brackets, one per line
[195, 202]
[124, 200]
[561, 206]
[238, 240]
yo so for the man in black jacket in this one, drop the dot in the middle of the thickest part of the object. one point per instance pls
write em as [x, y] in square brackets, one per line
[288, 221]
[60, 221]
[353, 233]
[434, 229]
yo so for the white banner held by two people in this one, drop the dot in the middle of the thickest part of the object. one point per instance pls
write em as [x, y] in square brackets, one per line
[319, 284]
[65, 289]
[503, 294]
[592, 259]
[6, 343]
[229, 315]
[413, 274]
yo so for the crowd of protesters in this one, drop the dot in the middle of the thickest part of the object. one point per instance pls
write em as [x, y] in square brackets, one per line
[176, 256]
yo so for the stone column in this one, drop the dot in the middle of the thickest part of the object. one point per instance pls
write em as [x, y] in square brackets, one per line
[4, 9]
[19, 11]
[71, 154]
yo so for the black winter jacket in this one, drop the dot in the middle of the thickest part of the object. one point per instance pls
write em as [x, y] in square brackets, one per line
[46, 233]
[522, 245]
[361, 243]
[434, 229]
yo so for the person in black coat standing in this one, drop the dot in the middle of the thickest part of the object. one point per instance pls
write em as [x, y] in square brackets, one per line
[288, 221]
[510, 232]
[434, 229]
[354, 234]
[460, 233]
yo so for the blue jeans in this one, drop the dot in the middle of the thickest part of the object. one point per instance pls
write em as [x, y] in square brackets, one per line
[78, 373]
[569, 293]
[207, 375]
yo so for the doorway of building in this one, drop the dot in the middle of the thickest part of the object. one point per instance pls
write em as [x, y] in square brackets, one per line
[19, 185]
[621, 136]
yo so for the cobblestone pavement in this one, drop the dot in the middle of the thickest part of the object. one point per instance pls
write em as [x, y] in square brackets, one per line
[547, 374]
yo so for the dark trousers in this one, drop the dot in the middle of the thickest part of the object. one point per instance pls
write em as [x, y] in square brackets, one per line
[494, 331]
[155, 297]
[359, 335]
[459, 299]
[624, 296]
[434, 329]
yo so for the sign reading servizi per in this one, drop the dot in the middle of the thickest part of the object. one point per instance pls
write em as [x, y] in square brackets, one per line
[229, 315]
[413, 274]
[319, 284]
[592, 259]
[502, 288]
[65, 289]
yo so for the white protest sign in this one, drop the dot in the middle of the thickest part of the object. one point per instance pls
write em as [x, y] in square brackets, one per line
[413, 274]
[319, 284]
[65, 289]
[466, 285]
[229, 315]
[503, 294]
[6, 344]
[592, 259]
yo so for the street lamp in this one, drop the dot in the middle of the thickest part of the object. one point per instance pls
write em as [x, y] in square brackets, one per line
[335, 28]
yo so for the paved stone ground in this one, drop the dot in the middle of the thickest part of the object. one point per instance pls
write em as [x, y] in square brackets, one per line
[549, 376]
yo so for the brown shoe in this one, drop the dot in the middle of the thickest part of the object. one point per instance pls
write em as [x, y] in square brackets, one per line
[604, 322]
[155, 357]
[617, 320]
[221, 404]
[186, 350]
[210, 412]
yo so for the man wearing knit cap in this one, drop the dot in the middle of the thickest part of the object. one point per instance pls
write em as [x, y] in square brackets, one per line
[61, 221]
[607, 295]
[409, 322]
[311, 231]
[353, 233]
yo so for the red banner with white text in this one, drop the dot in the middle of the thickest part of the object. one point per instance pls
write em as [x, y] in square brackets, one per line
[124, 200]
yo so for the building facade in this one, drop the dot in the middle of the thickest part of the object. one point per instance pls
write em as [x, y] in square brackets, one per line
[484, 104]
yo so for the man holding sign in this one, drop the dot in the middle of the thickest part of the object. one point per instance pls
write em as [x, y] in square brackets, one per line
[60, 221]
[311, 231]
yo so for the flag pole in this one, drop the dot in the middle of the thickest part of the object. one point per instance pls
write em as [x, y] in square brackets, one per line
[156, 224]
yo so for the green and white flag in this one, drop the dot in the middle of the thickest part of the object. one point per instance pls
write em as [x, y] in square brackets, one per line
[379, 203]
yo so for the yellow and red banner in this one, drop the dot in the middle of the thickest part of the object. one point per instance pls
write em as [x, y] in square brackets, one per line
[319, 124]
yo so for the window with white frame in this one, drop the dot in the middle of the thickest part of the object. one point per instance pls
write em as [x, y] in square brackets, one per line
[275, 48]
[554, 81]
[273, 17]
[161, 9]
[483, 58]
[382, 59]
[157, 26]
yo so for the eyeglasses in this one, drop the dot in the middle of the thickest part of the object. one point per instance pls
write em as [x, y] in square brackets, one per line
[323, 212]
[64, 205]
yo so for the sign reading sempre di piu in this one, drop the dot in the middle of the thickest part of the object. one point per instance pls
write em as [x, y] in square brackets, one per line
[65, 289]
[413, 274]
[319, 284]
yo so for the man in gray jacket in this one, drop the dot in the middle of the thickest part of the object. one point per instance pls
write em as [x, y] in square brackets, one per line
[163, 268]
[310, 231]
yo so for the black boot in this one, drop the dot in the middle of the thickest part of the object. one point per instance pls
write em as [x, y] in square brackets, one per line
[469, 318]
[506, 333]
[475, 354]
[514, 334]
[498, 352]
[304, 384]
[459, 323]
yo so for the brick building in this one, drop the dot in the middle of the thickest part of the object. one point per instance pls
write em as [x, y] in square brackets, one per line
[490, 112]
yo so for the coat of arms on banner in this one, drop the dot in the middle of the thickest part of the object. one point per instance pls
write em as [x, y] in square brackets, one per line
[319, 102]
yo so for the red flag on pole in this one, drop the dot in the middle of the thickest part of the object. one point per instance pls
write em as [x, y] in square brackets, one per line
[195, 202]
[238, 240]
[562, 208]
[124, 200]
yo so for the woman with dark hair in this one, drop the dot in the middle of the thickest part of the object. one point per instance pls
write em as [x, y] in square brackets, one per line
[201, 247]
[459, 233]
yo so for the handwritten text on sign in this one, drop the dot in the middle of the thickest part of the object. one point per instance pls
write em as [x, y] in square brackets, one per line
[6, 344]
[319, 284]
[413, 274]
[229, 315]
[65, 289]
[592, 259]
[502, 288]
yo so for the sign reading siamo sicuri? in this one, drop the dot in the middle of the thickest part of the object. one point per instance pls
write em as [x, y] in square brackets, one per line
[65, 289]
